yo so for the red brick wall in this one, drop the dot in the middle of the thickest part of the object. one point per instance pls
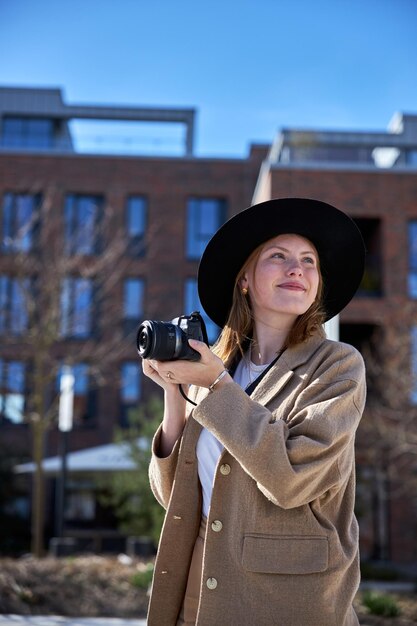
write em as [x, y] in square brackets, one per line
[167, 183]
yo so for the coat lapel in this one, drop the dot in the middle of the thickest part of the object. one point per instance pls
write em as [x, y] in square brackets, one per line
[282, 372]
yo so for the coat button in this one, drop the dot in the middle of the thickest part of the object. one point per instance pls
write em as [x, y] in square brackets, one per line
[216, 525]
[211, 583]
[225, 469]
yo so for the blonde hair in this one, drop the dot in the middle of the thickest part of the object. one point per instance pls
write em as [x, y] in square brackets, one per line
[238, 330]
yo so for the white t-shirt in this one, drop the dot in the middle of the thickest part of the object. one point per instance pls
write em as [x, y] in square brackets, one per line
[209, 448]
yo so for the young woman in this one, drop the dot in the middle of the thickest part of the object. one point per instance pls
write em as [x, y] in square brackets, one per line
[258, 479]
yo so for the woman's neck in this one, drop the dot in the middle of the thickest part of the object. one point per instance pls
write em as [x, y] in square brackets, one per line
[267, 343]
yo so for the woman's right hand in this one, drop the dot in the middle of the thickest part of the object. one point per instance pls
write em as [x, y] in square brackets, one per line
[150, 369]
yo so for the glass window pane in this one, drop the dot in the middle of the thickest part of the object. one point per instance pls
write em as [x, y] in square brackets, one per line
[13, 125]
[24, 217]
[209, 218]
[133, 298]
[412, 240]
[192, 303]
[7, 220]
[136, 207]
[81, 214]
[130, 388]
[4, 282]
[18, 306]
[76, 307]
[412, 258]
[204, 216]
[16, 376]
[82, 307]
[65, 306]
[12, 384]
[13, 407]
[18, 222]
[26, 132]
[80, 373]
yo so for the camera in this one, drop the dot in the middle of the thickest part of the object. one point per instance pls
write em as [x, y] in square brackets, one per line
[168, 341]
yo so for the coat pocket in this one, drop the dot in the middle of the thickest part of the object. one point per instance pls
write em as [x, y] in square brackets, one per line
[285, 554]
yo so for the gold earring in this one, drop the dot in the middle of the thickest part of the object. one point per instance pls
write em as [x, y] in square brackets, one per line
[244, 291]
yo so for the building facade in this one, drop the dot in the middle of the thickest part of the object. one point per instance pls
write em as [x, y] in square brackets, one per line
[107, 240]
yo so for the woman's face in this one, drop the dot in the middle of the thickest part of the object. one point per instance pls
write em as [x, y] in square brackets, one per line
[284, 280]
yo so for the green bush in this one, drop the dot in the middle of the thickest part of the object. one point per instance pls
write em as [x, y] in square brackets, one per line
[143, 578]
[129, 494]
[380, 604]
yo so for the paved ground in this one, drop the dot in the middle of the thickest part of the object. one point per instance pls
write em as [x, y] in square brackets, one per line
[51, 620]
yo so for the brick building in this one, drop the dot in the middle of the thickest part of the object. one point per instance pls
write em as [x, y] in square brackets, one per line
[167, 207]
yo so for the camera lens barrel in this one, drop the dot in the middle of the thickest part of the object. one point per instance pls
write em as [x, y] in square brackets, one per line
[168, 341]
[162, 341]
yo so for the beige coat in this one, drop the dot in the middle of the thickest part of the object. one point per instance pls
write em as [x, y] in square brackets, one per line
[286, 551]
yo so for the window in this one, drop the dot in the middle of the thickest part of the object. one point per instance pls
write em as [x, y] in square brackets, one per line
[136, 210]
[76, 307]
[12, 391]
[80, 505]
[192, 303]
[132, 303]
[84, 408]
[82, 219]
[19, 222]
[412, 157]
[412, 259]
[13, 305]
[130, 389]
[371, 285]
[204, 216]
[28, 132]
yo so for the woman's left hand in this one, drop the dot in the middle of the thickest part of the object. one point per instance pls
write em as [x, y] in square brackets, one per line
[200, 373]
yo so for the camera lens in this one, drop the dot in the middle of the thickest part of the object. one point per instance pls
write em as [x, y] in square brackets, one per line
[159, 340]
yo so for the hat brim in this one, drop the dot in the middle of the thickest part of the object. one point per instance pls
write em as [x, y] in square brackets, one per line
[338, 241]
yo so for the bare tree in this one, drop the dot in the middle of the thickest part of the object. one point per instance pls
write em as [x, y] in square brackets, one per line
[387, 442]
[58, 270]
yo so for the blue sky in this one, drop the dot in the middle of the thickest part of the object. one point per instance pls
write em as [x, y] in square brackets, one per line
[250, 67]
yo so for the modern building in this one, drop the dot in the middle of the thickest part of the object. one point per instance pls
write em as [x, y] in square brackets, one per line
[72, 209]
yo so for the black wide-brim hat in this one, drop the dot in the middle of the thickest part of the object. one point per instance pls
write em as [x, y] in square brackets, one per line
[335, 235]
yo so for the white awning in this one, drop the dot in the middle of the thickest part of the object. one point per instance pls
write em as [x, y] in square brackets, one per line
[112, 457]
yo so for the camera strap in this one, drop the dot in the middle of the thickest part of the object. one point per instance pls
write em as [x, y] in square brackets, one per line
[251, 388]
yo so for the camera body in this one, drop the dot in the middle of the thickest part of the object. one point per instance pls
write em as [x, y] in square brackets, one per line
[168, 341]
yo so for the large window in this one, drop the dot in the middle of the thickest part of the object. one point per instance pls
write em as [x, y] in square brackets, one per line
[82, 222]
[13, 305]
[129, 389]
[132, 303]
[204, 216]
[412, 256]
[19, 220]
[192, 303]
[372, 284]
[12, 391]
[136, 210]
[28, 132]
[76, 307]
[84, 407]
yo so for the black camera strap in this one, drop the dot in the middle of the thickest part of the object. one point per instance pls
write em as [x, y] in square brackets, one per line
[251, 388]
